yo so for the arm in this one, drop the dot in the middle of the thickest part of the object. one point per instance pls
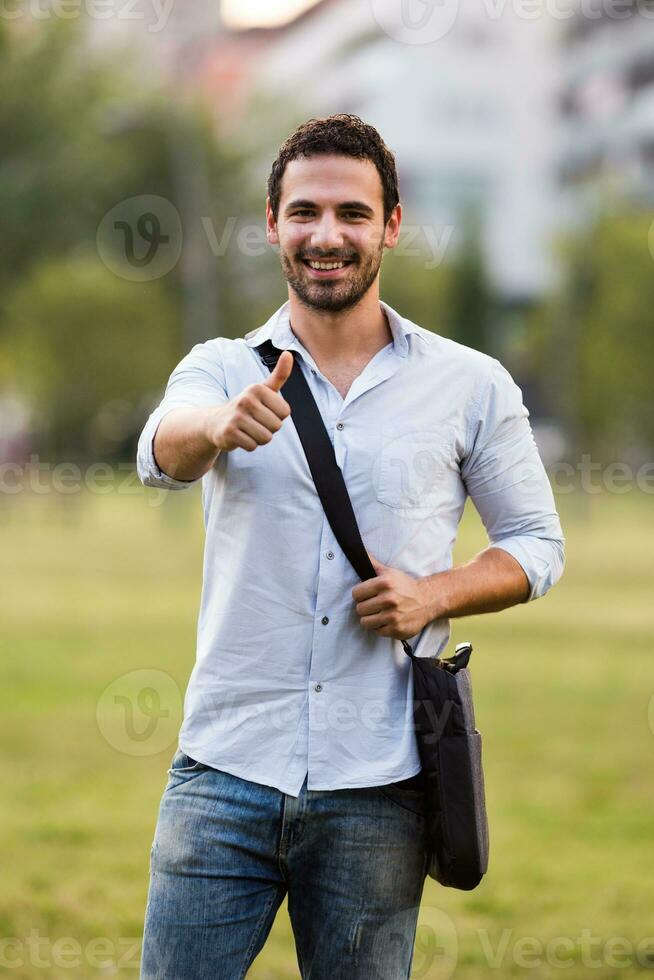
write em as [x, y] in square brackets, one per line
[398, 605]
[493, 580]
[173, 450]
[508, 485]
[507, 482]
[196, 421]
[182, 446]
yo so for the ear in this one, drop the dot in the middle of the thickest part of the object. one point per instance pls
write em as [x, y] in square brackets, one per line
[271, 225]
[392, 232]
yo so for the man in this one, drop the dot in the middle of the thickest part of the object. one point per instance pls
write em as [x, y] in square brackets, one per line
[297, 771]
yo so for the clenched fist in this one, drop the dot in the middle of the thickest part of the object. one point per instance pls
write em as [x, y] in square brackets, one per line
[251, 419]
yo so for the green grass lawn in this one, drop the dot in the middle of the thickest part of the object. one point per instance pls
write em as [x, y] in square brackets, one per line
[97, 587]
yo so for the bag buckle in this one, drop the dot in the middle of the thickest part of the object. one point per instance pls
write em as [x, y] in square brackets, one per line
[461, 658]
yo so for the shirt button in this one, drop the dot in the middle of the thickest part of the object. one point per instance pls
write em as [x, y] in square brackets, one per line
[330, 554]
[317, 687]
[324, 620]
[313, 370]
[339, 425]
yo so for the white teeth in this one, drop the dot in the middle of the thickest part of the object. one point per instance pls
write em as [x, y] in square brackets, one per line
[326, 265]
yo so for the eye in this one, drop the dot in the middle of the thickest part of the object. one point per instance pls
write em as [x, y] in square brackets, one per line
[303, 213]
[353, 214]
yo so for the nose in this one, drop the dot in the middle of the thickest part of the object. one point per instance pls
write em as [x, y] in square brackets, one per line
[326, 233]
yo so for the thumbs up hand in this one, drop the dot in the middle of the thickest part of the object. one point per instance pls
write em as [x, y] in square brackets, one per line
[251, 419]
[281, 372]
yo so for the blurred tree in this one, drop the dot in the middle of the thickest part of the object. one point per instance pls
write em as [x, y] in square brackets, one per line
[454, 299]
[419, 293]
[55, 169]
[471, 299]
[81, 131]
[91, 351]
[594, 339]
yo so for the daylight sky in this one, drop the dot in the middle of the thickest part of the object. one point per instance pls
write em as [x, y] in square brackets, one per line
[255, 13]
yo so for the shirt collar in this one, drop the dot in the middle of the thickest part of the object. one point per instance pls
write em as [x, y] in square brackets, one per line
[278, 330]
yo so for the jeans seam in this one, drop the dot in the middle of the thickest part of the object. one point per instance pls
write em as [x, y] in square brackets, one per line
[282, 848]
[300, 959]
[425, 869]
[255, 937]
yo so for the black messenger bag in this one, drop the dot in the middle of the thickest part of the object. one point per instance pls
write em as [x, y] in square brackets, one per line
[449, 745]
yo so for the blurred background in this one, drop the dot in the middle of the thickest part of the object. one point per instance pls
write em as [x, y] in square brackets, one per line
[136, 137]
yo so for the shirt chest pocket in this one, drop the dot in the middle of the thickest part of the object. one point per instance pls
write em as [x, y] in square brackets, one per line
[414, 468]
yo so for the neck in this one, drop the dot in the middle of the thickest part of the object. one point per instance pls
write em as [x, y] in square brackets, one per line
[352, 335]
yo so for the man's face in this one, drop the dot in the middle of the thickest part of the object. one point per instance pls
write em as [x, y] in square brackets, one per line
[331, 214]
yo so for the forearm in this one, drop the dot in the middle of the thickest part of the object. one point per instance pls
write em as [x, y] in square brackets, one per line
[182, 447]
[493, 580]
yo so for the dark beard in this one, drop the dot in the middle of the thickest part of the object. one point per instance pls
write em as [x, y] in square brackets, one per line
[334, 296]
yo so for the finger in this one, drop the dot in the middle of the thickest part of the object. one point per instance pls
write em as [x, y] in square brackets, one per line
[370, 607]
[365, 590]
[256, 431]
[377, 565]
[262, 414]
[241, 440]
[281, 372]
[274, 401]
[374, 622]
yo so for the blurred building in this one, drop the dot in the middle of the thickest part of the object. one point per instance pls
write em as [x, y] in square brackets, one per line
[607, 105]
[471, 117]
[471, 114]
[166, 37]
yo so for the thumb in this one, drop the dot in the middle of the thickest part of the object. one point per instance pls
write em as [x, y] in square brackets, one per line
[281, 372]
[377, 565]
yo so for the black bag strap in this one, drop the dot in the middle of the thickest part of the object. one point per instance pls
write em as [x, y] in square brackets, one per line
[325, 471]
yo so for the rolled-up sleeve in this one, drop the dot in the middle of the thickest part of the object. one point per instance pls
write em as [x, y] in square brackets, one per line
[505, 477]
[197, 381]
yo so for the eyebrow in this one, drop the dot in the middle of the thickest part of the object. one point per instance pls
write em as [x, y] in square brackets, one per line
[344, 206]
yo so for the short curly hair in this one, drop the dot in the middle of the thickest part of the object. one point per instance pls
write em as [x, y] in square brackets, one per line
[342, 134]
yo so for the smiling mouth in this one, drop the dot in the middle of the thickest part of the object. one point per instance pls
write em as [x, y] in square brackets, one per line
[324, 266]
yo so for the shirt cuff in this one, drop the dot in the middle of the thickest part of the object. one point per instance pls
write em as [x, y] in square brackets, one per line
[542, 560]
[148, 469]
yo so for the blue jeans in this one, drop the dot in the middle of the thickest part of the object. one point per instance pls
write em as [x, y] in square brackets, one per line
[226, 851]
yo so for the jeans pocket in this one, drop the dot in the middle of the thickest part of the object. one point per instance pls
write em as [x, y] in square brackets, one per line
[412, 800]
[183, 763]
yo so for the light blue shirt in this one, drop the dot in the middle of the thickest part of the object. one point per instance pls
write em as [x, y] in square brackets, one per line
[286, 681]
